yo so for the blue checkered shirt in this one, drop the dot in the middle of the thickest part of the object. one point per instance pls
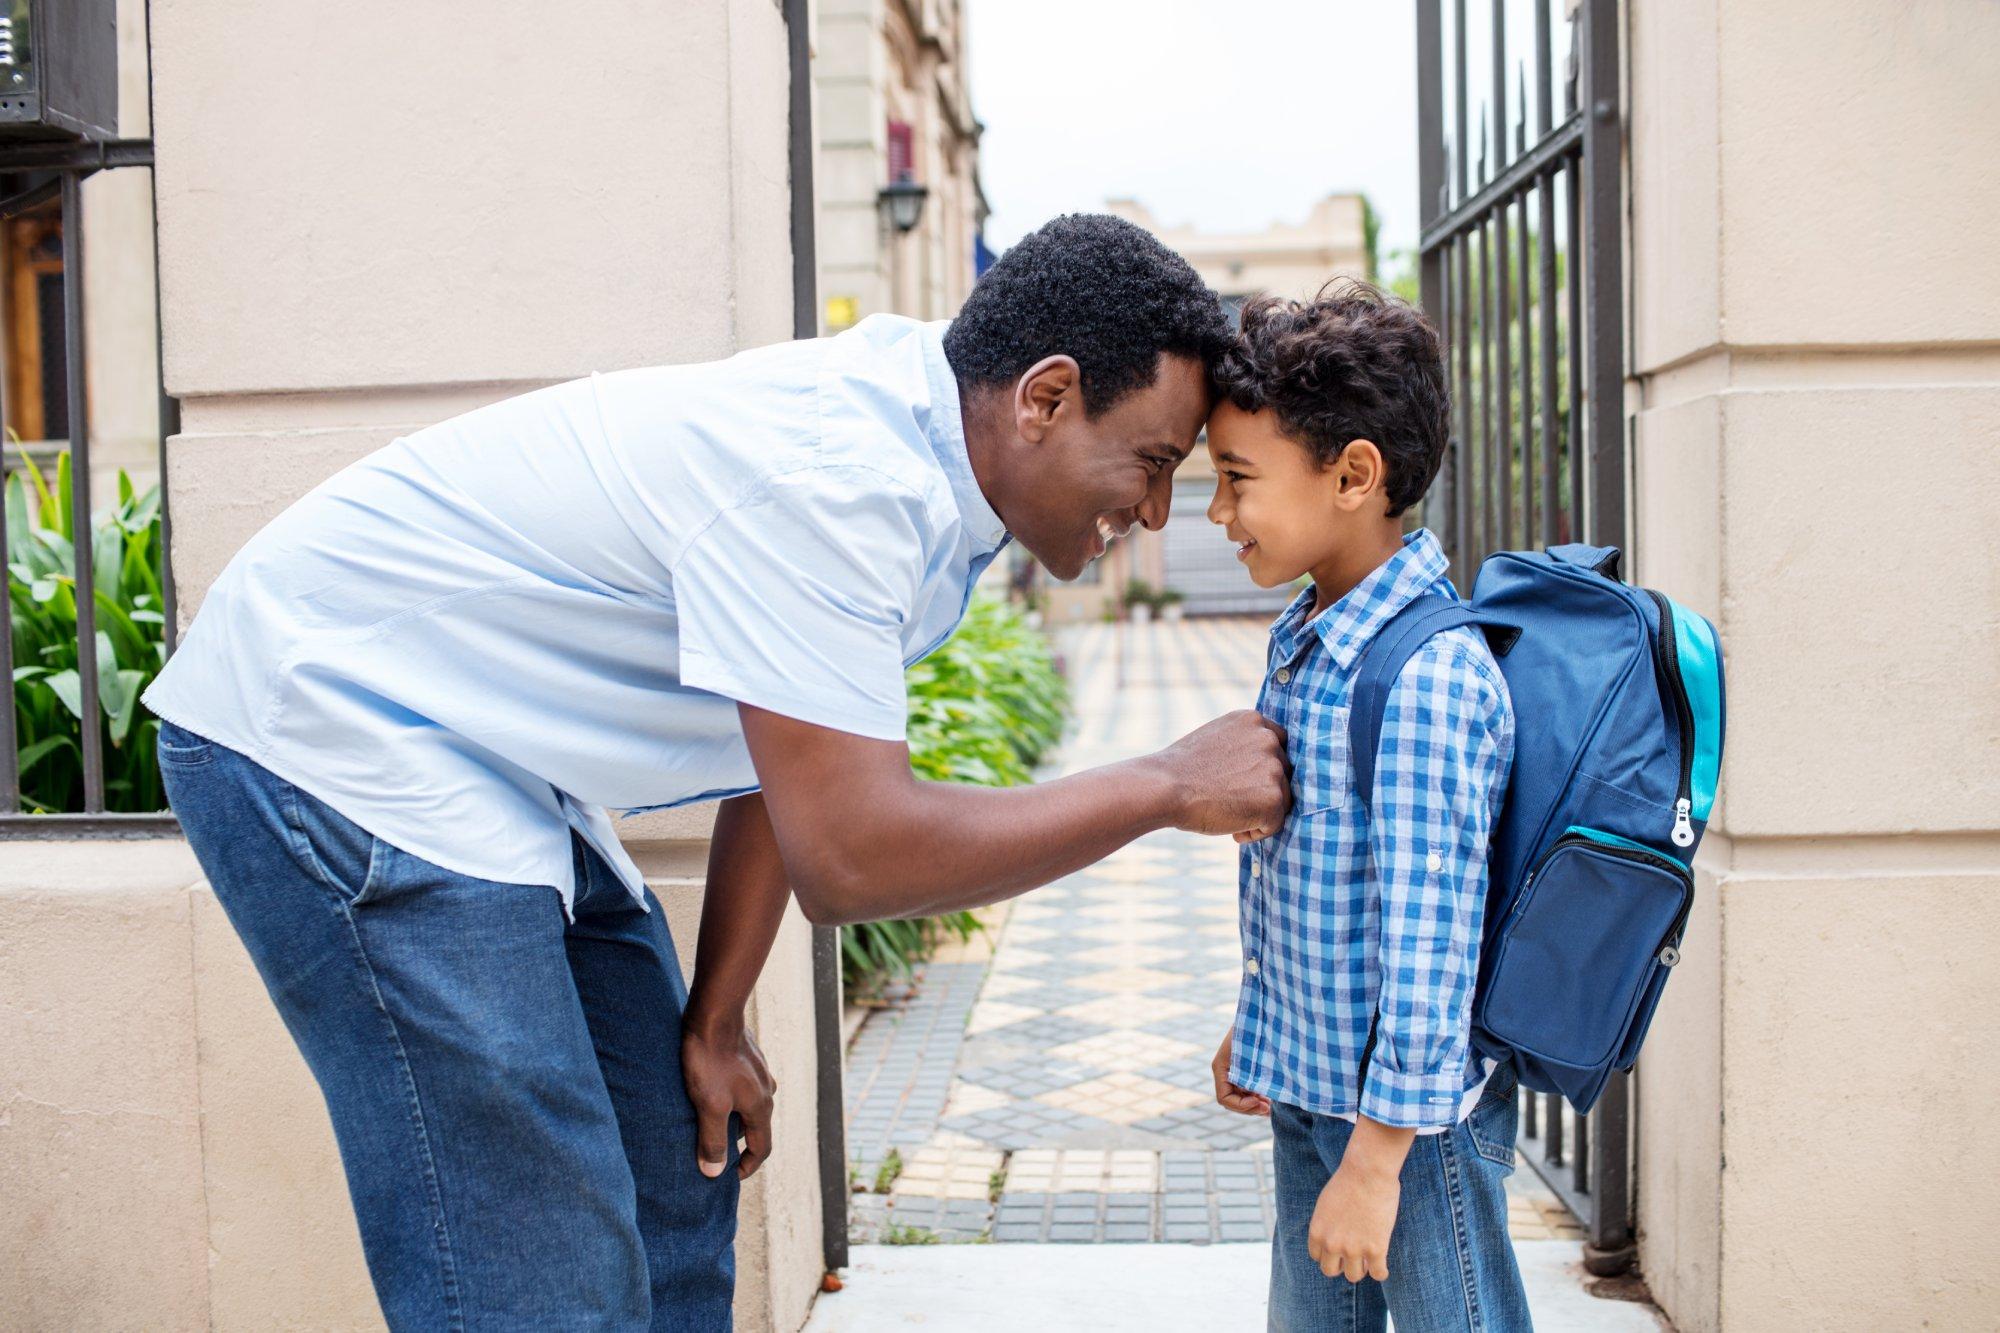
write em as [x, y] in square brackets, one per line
[1355, 927]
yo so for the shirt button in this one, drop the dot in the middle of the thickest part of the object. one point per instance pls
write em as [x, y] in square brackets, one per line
[1284, 676]
[1256, 868]
[1252, 968]
[1435, 862]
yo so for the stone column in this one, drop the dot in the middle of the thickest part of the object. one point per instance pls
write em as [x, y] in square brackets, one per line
[1816, 348]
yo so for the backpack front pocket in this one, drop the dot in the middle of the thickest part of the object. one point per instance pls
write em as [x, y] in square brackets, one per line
[1593, 929]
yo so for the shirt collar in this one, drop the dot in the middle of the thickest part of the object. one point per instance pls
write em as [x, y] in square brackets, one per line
[1347, 626]
[945, 427]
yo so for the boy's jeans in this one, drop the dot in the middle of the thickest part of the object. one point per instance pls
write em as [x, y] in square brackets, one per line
[505, 1086]
[1451, 1263]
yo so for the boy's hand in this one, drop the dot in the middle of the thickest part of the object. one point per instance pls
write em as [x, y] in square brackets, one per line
[1352, 1222]
[1356, 1213]
[1227, 1094]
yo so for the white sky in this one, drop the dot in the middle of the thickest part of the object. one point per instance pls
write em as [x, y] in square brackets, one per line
[1227, 114]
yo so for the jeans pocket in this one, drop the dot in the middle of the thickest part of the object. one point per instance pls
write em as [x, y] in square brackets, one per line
[1496, 1121]
[177, 746]
[339, 853]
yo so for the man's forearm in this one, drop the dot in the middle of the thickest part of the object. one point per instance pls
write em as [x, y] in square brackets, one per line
[947, 846]
[744, 902]
[863, 838]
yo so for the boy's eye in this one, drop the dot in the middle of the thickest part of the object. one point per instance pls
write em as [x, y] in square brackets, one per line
[1235, 478]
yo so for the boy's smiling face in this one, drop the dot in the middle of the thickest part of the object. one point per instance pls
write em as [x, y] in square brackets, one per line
[1272, 497]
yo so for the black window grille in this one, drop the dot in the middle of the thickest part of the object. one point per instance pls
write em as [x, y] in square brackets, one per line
[33, 173]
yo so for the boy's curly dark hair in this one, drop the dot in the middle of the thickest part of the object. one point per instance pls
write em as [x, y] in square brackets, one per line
[1351, 364]
[1094, 287]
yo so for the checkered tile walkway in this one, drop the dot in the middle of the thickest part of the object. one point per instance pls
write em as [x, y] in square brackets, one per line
[1068, 1098]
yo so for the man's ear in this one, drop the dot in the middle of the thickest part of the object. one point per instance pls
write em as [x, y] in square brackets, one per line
[1359, 474]
[1048, 388]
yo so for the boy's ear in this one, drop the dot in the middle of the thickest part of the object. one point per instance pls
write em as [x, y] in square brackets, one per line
[1359, 474]
[1041, 392]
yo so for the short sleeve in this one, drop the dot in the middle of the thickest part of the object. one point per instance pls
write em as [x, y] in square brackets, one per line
[794, 600]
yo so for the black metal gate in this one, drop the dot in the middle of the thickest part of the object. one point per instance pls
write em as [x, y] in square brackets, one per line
[1522, 272]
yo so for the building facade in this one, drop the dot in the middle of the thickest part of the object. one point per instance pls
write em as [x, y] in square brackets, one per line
[899, 198]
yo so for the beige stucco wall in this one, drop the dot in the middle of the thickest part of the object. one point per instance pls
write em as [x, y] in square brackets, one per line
[370, 219]
[1817, 398]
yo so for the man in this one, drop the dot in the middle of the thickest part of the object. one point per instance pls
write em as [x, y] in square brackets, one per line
[394, 728]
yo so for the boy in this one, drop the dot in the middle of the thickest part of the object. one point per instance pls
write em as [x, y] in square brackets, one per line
[1361, 936]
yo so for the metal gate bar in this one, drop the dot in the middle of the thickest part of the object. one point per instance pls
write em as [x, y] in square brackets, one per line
[1521, 269]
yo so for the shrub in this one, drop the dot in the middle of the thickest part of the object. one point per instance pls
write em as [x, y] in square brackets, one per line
[984, 708]
[126, 559]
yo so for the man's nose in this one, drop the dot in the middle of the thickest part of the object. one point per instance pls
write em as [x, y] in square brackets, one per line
[1154, 510]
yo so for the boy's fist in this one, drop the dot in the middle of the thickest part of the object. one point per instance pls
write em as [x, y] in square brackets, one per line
[1231, 776]
[1227, 1094]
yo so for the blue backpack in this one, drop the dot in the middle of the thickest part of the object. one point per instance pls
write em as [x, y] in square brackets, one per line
[1618, 719]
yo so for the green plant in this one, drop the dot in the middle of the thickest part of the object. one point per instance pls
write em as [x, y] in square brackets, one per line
[1167, 597]
[898, 1234]
[984, 708]
[885, 1175]
[1138, 592]
[126, 561]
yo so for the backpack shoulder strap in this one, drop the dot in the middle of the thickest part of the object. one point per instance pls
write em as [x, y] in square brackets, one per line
[1382, 661]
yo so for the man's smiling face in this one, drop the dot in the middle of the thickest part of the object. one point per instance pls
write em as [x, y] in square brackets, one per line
[1097, 476]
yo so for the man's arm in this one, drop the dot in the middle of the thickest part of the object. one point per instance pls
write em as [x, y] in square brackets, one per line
[864, 839]
[740, 912]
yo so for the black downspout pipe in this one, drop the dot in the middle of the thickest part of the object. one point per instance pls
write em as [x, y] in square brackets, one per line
[828, 1050]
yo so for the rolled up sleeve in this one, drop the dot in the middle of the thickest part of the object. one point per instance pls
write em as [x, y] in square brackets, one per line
[1447, 744]
[794, 599]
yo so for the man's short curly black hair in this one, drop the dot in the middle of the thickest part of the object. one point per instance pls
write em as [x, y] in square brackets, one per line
[1090, 286]
[1351, 364]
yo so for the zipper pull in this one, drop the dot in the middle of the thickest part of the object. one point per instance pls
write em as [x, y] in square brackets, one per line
[1683, 824]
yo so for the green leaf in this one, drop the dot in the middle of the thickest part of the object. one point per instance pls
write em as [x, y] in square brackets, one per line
[41, 749]
[65, 497]
[69, 688]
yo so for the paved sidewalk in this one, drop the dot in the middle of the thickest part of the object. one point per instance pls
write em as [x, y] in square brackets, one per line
[1068, 1097]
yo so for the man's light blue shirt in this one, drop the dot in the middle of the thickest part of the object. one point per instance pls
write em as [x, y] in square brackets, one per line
[487, 633]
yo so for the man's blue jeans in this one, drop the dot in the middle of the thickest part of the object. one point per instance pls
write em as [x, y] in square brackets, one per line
[505, 1085]
[1451, 1263]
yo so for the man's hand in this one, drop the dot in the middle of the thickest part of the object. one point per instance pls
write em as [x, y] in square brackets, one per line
[1227, 1094]
[725, 1075]
[1231, 776]
[1356, 1213]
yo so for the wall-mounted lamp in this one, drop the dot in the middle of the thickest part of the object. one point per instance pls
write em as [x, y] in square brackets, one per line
[902, 202]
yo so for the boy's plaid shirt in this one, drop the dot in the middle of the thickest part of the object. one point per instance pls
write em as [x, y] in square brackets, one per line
[1343, 919]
